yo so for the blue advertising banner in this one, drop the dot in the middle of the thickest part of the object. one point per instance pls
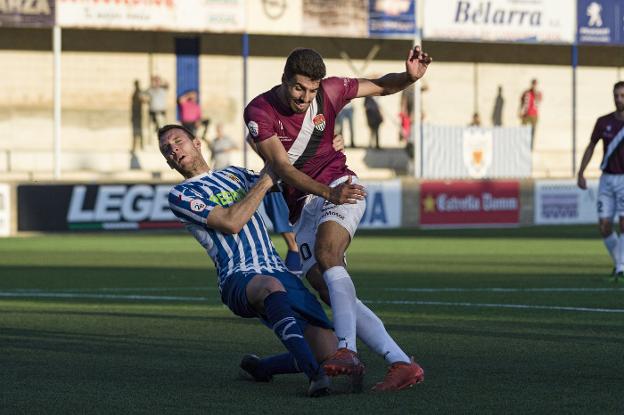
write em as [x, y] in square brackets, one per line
[392, 18]
[600, 21]
[33, 13]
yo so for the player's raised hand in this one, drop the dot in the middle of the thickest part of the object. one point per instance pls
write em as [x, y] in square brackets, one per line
[346, 192]
[417, 63]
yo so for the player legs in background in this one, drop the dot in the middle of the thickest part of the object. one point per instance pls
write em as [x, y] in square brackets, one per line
[610, 205]
[277, 210]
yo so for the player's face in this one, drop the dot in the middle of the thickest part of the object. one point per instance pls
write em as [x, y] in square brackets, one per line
[181, 152]
[300, 92]
[618, 98]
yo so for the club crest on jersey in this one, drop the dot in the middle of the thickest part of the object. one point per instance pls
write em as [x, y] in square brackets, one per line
[319, 122]
[197, 205]
[234, 178]
[253, 128]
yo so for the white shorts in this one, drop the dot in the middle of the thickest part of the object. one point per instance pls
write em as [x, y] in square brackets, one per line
[611, 196]
[317, 210]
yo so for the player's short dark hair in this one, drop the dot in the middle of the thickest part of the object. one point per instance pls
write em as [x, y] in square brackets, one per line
[619, 84]
[306, 62]
[164, 129]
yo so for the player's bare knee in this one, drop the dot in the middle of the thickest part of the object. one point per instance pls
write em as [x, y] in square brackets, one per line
[260, 287]
[327, 257]
[270, 285]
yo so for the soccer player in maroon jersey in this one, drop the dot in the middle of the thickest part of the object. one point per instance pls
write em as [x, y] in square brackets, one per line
[610, 128]
[292, 125]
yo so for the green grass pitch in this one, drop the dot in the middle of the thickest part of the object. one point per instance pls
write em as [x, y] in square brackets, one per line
[503, 321]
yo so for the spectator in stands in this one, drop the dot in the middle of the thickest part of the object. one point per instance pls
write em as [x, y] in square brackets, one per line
[346, 114]
[157, 93]
[374, 120]
[529, 102]
[476, 120]
[190, 111]
[406, 114]
[221, 147]
[497, 112]
[138, 98]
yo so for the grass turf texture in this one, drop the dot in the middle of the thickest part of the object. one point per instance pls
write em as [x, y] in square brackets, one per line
[180, 355]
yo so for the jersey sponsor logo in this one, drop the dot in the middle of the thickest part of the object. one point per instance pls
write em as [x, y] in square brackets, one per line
[226, 198]
[197, 205]
[319, 122]
[253, 128]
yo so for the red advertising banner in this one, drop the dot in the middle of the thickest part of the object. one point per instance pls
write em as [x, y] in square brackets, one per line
[469, 203]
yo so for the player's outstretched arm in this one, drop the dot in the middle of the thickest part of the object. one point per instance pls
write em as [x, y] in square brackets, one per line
[232, 219]
[415, 68]
[273, 152]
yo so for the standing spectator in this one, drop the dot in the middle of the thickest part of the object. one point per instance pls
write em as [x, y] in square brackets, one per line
[157, 93]
[138, 98]
[346, 114]
[529, 103]
[221, 147]
[497, 112]
[406, 114]
[190, 111]
[374, 120]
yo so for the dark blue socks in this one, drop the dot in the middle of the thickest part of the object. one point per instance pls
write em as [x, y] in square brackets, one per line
[281, 318]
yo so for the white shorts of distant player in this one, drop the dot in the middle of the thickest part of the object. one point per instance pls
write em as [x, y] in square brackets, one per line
[316, 211]
[611, 196]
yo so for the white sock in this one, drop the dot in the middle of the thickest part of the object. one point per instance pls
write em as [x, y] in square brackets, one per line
[342, 297]
[611, 243]
[371, 330]
[619, 256]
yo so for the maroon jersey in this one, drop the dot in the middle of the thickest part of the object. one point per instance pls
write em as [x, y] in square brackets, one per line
[307, 137]
[606, 128]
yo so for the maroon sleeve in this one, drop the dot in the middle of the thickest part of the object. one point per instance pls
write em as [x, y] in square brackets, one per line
[258, 122]
[596, 134]
[340, 91]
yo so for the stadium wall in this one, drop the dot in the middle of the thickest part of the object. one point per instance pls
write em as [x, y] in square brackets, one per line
[99, 67]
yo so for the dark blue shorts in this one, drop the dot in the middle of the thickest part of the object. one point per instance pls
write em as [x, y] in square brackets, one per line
[307, 308]
[277, 210]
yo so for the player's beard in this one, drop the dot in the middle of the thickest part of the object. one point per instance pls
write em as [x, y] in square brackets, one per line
[297, 108]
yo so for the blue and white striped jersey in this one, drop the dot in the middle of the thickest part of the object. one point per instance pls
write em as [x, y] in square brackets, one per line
[251, 250]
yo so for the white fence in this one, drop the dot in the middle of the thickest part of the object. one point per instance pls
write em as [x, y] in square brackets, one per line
[450, 152]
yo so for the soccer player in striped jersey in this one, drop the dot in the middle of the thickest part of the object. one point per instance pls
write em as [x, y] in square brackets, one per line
[292, 125]
[219, 210]
[610, 129]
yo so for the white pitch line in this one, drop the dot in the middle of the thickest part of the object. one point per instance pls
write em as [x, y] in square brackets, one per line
[116, 289]
[100, 296]
[520, 306]
[395, 302]
[504, 290]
